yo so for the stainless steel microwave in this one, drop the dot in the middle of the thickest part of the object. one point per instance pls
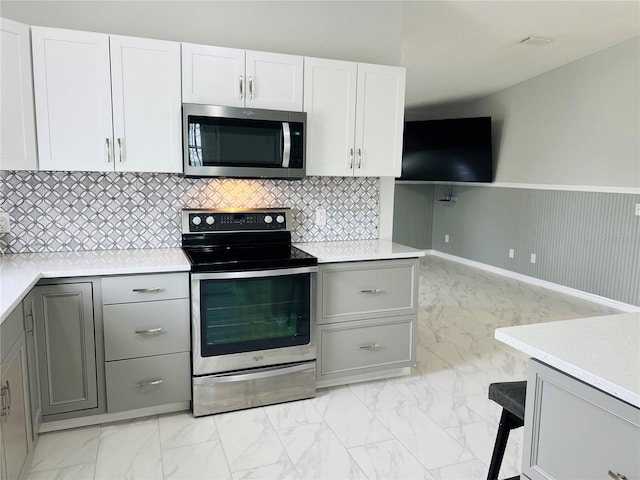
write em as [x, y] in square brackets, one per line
[242, 142]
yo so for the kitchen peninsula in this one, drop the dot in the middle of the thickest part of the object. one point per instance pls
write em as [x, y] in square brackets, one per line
[582, 415]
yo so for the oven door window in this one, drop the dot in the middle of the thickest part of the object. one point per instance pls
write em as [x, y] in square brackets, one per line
[230, 142]
[249, 314]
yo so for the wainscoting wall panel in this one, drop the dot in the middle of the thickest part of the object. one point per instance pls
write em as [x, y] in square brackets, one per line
[589, 241]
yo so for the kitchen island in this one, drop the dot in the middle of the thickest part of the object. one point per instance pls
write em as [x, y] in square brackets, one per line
[582, 417]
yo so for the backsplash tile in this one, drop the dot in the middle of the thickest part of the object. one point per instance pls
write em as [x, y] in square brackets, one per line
[70, 211]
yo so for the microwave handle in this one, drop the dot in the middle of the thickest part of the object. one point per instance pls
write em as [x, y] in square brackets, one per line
[286, 143]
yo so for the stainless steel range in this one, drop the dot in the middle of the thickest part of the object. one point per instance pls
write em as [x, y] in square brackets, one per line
[252, 309]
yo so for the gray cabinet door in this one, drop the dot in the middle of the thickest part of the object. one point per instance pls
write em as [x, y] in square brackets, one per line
[574, 431]
[64, 324]
[28, 305]
[15, 426]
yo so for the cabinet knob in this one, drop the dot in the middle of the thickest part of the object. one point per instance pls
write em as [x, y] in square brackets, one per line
[351, 158]
[373, 346]
[241, 87]
[359, 158]
[250, 88]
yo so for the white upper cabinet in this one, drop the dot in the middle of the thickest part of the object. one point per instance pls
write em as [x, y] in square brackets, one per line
[145, 91]
[355, 115]
[239, 78]
[86, 121]
[274, 81]
[17, 123]
[212, 75]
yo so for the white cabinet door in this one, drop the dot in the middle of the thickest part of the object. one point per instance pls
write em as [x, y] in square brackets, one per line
[330, 103]
[379, 121]
[355, 116]
[235, 78]
[17, 121]
[274, 81]
[145, 86]
[73, 99]
[212, 75]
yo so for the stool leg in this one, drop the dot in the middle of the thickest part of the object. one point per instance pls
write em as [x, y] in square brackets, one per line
[507, 422]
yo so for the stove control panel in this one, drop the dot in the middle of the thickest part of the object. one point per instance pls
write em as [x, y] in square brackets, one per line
[203, 220]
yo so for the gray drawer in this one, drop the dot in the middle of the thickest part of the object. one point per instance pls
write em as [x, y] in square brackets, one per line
[358, 289]
[357, 346]
[147, 382]
[11, 329]
[146, 328]
[142, 288]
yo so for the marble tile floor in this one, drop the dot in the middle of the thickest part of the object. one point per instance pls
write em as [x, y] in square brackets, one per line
[435, 423]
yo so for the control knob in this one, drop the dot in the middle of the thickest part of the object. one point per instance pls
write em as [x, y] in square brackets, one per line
[210, 220]
[196, 220]
[280, 219]
[268, 219]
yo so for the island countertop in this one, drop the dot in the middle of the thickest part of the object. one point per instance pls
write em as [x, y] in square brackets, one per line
[601, 351]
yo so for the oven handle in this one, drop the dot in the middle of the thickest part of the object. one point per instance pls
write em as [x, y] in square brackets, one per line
[241, 377]
[252, 274]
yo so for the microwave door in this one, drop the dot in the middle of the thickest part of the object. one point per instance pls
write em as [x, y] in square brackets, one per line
[286, 142]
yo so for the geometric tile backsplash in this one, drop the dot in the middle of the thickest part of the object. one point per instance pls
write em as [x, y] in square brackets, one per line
[71, 211]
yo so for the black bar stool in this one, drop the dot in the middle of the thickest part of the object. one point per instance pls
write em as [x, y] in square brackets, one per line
[510, 396]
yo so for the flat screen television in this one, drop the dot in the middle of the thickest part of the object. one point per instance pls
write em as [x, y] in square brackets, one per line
[456, 150]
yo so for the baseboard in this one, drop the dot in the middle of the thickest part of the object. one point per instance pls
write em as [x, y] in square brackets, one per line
[625, 307]
[112, 417]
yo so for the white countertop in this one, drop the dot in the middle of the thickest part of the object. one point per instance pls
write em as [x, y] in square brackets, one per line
[357, 250]
[601, 351]
[20, 272]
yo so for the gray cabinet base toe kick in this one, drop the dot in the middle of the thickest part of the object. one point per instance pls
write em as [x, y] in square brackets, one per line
[264, 386]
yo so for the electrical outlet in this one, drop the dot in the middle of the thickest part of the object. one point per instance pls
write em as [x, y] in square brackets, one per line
[5, 223]
[512, 253]
[637, 209]
[446, 238]
[321, 217]
[533, 258]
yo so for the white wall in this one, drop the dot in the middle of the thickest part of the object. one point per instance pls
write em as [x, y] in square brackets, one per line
[576, 125]
[357, 31]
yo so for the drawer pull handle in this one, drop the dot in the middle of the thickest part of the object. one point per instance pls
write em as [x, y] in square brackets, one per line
[150, 383]
[151, 331]
[147, 290]
[373, 346]
[617, 476]
[5, 392]
[372, 291]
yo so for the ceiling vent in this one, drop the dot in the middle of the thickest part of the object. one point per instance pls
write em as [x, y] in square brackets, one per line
[536, 41]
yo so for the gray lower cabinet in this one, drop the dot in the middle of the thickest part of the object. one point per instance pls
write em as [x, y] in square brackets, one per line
[66, 347]
[14, 397]
[575, 431]
[28, 305]
[147, 340]
[366, 318]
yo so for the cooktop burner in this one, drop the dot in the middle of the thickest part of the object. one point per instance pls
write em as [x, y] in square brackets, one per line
[255, 239]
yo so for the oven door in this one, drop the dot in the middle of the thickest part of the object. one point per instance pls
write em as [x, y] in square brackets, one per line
[251, 319]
